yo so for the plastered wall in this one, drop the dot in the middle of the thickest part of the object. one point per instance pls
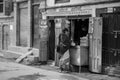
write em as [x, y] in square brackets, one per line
[51, 3]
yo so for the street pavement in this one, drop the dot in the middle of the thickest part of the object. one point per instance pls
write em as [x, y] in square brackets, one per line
[9, 70]
[14, 71]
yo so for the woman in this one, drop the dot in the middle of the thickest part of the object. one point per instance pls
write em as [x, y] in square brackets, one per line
[64, 43]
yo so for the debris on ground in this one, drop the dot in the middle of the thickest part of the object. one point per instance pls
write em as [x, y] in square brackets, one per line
[23, 56]
[113, 71]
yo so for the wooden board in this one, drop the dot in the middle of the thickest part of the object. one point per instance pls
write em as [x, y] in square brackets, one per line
[95, 40]
[18, 60]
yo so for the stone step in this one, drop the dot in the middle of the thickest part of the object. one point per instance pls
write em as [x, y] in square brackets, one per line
[11, 54]
[18, 49]
[24, 50]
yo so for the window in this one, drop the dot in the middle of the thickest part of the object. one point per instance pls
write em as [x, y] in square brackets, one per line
[1, 6]
[8, 8]
[61, 1]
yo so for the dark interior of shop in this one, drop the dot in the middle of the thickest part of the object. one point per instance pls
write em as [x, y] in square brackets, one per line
[51, 54]
[80, 29]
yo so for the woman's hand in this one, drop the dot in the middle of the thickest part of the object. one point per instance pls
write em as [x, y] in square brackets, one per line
[61, 44]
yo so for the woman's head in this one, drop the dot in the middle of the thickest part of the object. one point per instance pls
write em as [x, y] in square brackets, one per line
[65, 30]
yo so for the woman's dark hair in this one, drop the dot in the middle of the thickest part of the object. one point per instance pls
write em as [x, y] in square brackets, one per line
[64, 30]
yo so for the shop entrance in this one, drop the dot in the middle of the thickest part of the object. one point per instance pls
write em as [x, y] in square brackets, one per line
[78, 34]
[79, 45]
[51, 42]
[79, 29]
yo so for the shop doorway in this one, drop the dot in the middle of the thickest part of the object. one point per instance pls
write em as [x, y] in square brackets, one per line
[79, 51]
[78, 33]
[79, 29]
[51, 54]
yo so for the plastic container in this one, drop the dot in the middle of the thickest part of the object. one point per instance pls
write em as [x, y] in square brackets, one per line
[84, 41]
[79, 55]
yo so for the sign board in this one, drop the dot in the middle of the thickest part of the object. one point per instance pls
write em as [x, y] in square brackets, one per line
[11, 27]
[95, 1]
[44, 33]
[58, 23]
[110, 10]
[42, 5]
[68, 11]
[43, 22]
[19, 0]
[45, 26]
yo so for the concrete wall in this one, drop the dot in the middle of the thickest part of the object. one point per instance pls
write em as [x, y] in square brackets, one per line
[15, 28]
[9, 21]
[16, 22]
[51, 3]
[14, 46]
[92, 7]
[5, 23]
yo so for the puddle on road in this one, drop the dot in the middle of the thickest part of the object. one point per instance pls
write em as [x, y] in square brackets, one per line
[1, 71]
[65, 77]
[28, 77]
[38, 76]
[62, 77]
[43, 77]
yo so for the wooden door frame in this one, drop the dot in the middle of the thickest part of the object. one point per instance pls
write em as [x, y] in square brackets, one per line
[98, 39]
